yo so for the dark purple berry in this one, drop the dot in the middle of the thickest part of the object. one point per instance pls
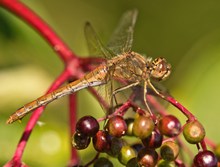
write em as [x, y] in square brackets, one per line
[137, 147]
[116, 145]
[147, 157]
[80, 141]
[169, 126]
[116, 126]
[87, 125]
[194, 132]
[101, 141]
[154, 140]
[143, 126]
[205, 159]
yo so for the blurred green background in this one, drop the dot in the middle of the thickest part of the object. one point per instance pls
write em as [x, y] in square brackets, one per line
[186, 33]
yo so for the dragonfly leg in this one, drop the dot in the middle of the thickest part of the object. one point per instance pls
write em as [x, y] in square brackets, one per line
[145, 98]
[113, 97]
[155, 90]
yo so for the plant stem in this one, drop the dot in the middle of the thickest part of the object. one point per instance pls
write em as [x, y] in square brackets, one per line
[33, 120]
[175, 103]
[64, 52]
[32, 19]
[74, 160]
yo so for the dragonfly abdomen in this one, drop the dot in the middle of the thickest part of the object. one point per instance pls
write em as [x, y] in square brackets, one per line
[94, 78]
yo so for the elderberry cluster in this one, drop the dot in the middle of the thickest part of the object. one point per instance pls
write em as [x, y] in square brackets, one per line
[157, 141]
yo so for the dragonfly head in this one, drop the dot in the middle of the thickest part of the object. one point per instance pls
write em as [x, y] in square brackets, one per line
[160, 69]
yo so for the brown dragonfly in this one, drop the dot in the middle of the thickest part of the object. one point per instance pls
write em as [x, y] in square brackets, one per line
[121, 63]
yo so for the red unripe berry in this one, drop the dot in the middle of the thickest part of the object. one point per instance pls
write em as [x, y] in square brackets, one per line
[101, 141]
[116, 126]
[169, 126]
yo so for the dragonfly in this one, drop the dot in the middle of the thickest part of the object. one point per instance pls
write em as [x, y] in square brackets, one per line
[120, 63]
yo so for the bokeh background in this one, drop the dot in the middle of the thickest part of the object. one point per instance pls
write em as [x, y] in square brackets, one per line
[186, 33]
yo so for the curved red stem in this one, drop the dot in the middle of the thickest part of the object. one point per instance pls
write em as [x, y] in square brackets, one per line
[64, 52]
[26, 14]
[34, 118]
[74, 160]
[175, 103]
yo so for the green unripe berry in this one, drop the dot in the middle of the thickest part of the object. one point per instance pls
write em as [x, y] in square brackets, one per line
[143, 126]
[194, 132]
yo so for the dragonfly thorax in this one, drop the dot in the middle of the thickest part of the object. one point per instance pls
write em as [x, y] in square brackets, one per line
[160, 69]
[129, 66]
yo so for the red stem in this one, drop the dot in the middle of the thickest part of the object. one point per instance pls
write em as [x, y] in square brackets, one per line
[122, 109]
[186, 112]
[26, 14]
[33, 120]
[74, 160]
[203, 145]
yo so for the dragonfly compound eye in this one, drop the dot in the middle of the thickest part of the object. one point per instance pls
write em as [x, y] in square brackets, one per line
[160, 69]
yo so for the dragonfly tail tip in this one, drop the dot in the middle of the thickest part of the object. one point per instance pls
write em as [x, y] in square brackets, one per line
[9, 121]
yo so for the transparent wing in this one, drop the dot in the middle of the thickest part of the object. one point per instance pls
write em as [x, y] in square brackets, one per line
[95, 46]
[122, 38]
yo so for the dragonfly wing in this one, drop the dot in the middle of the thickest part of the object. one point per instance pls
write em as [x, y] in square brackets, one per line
[122, 38]
[95, 46]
